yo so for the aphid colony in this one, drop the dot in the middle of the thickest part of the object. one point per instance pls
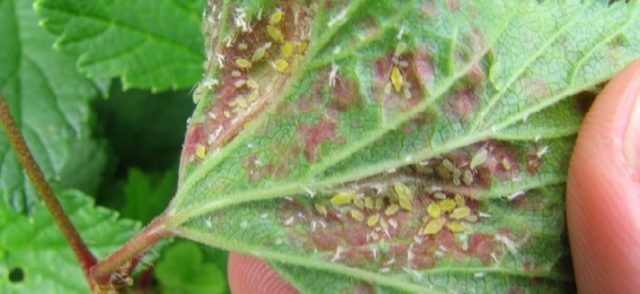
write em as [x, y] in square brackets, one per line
[440, 212]
[285, 55]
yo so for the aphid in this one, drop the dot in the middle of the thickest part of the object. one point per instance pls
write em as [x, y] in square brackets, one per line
[260, 52]
[301, 47]
[281, 65]
[201, 151]
[372, 220]
[460, 212]
[275, 34]
[276, 17]
[368, 203]
[434, 210]
[405, 204]
[243, 63]
[235, 74]
[396, 79]
[356, 215]
[479, 158]
[402, 191]
[433, 226]
[392, 209]
[358, 202]
[287, 49]
[448, 165]
[393, 223]
[251, 83]
[242, 104]
[378, 203]
[459, 199]
[455, 227]
[446, 205]
[342, 198]
[320, 208]
[506, 165]
[467, 177]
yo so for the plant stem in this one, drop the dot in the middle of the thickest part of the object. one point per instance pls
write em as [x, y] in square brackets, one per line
[84, 256]
[150, 235]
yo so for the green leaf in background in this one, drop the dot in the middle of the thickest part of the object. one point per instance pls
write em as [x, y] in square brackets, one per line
[388, 146]
[35, 257]
[152, 44]
[50, 102]
[147, 193]
[183, 269]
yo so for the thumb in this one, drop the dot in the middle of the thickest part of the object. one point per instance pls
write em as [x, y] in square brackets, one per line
[250, 275]
[603, 190]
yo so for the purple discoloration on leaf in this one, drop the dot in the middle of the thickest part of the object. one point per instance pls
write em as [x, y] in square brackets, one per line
[314, 135]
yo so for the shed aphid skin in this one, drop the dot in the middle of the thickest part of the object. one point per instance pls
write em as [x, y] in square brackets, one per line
[460, 212]
[333, 74]
[275, 34]
[396, 79]
[243, 63]
[320, 208]
[439, 195]
[280, 65]
[433, 226]
[201, 151]
[479, 158]
[342, 198]
[356, 215]
[260, 52]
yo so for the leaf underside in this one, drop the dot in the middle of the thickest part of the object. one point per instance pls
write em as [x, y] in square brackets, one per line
[378, 146]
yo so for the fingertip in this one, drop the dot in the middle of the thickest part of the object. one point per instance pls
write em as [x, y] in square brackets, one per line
[603, 190]
[248, 274]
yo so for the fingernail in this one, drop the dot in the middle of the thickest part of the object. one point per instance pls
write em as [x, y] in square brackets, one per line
[632, 138]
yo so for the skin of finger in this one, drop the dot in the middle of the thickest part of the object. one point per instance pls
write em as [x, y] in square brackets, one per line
[248, 274]
[603, 192]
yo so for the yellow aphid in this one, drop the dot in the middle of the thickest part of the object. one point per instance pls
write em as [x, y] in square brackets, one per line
[396, 79]
[372, 220]
[358, 202]
[281, 65]
[251, 83]
[320, 208]
[455, 227]
[275, 34]
[368, 203]
[447, 205]
[434, 210]
[356, 215]
[254, 95]
[479, 158]
[459, 199]
[201, 151]
[433, 226]
[405, 203]
[302, 46]
[467, 177]
[506, 164]
[392, 209]
[241, 102]
[287, 49]
[243, 63]
[276, 17]
[460, 212]
[402, 191]
[342, 198]
[378, 203]
[400, 48]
